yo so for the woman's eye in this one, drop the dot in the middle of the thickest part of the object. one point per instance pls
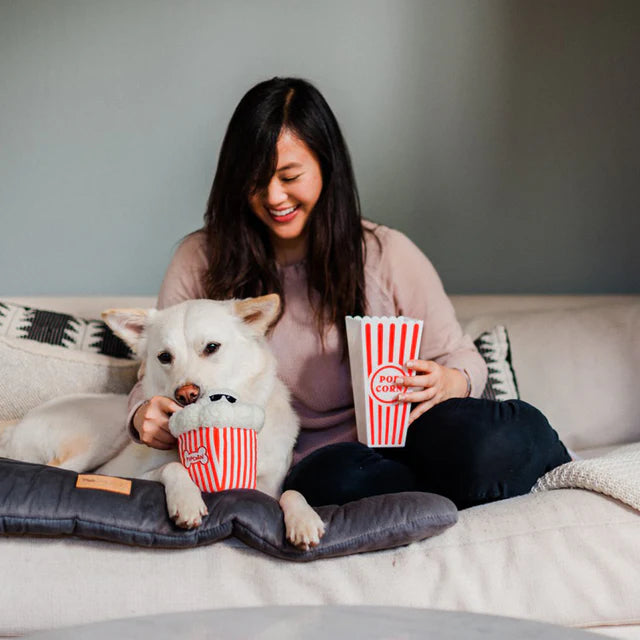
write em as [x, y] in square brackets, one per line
[291, 179]
[212, 347]
[165, 357]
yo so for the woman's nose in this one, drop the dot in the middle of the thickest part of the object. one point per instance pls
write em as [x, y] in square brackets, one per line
[275, 193]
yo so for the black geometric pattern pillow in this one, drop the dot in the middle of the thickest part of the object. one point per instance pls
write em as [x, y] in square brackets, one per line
[17, 321]
[495, 348]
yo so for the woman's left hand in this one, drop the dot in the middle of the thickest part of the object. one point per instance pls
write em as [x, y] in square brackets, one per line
[438, 383]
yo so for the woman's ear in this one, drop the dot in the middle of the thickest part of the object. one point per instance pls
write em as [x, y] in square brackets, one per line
[259, 313]
[128, 324]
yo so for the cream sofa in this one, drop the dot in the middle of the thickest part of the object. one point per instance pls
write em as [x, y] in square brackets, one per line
[569, 556]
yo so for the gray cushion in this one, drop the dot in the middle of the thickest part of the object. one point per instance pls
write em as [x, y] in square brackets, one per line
[40, 500]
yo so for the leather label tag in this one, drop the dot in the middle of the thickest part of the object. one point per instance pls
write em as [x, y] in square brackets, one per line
[104, 483]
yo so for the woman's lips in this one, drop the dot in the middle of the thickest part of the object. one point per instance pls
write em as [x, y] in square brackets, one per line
[284, 217]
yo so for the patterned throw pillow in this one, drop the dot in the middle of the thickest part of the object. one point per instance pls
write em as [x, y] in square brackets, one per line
[495, 348]
[61, 329]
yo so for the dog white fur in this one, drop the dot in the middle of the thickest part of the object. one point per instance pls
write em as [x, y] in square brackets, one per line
[211, 344]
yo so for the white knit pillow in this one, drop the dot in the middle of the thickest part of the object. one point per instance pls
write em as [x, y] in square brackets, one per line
[32, 373]
[616, 474]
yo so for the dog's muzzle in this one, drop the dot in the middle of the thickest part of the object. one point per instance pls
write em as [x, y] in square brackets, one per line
[187, 394]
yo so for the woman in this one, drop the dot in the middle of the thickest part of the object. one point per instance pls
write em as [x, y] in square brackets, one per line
[283, 216]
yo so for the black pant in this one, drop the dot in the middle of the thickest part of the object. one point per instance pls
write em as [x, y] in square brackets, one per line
[471, 451]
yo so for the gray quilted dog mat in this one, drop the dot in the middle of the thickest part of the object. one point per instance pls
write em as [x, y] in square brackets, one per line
[37, 500]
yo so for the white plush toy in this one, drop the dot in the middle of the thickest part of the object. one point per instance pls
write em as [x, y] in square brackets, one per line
[217, 440]
[217, 408]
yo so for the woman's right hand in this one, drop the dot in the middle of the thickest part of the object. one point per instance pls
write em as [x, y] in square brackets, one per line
[151, 421]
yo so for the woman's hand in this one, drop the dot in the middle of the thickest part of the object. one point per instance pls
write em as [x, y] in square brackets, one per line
[151, 421]
[438, 383]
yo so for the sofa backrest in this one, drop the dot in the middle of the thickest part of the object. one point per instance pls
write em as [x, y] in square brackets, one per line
[467, 306]
[577, 358]
[579, 364]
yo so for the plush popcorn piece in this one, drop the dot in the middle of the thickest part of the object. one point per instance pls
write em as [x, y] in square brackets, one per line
[217, 408]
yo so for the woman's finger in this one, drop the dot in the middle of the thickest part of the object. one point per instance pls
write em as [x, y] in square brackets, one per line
[418, 396]
[172, 407]
[158, 444]
[423, 366]
[166, 437]
[168, 406]
[424, 381]
[414, 381]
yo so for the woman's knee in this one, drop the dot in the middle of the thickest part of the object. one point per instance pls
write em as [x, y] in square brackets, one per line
[477, 451]
[347, 471]
[469, 422]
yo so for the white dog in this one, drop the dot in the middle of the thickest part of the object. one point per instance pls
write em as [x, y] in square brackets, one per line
[193, 346]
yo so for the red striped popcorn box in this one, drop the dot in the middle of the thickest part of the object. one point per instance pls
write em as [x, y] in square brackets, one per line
[219, 458]
[379, 349]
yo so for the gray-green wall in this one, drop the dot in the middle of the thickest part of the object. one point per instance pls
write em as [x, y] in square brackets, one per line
[502, 136]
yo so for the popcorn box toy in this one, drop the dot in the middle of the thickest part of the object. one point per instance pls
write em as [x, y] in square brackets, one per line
[217, 441]
[379, 349]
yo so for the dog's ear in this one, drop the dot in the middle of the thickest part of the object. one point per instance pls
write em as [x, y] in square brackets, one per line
[259, 313]
[128, 324]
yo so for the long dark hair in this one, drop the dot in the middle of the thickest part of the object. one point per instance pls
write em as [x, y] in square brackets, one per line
[241, 259]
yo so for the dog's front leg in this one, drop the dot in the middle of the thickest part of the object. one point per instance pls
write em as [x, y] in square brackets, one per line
[184, 499]
[304, 527]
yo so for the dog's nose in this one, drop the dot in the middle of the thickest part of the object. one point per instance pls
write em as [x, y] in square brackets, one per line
[187, 394]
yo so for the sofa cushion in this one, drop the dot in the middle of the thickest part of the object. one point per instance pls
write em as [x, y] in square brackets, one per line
[40, 500]
[569, 557]
[580, 367]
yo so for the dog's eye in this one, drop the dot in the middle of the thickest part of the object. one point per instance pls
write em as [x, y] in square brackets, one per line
[212, 347]
[165, 357]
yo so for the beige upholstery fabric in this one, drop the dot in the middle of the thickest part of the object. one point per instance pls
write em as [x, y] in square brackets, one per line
[627, 632]
[568, 557]
[89, 307]
[32, 373]
[579, 367]
[471, 306]
[467, 306]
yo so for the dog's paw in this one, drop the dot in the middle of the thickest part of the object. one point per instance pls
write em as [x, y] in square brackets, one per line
[304, 529]
[186, 508]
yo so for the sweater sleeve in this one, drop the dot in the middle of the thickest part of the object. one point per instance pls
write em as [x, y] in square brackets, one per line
[418, 292]
[136, 399]
[183, 280]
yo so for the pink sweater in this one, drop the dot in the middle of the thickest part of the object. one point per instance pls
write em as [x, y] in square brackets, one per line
[399, 280]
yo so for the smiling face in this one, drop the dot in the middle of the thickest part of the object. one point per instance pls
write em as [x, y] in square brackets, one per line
[288, 200]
